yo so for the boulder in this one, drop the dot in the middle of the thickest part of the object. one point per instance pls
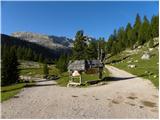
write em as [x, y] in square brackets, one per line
[131, 66]
[129, 61]
[155, 76]
[136, 61]
[146, 72]
[150, 49]
[145, 56]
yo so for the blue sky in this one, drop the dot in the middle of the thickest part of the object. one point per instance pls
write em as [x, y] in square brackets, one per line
[97, 19]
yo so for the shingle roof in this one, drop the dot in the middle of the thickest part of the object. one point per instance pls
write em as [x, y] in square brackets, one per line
[77, 65]
[82, 65]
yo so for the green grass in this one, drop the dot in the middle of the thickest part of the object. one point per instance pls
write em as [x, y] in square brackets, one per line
[38, 71]
[63, 81]
[142, 66]
[11, 90]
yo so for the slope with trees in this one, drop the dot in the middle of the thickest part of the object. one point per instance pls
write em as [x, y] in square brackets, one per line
[133, 36]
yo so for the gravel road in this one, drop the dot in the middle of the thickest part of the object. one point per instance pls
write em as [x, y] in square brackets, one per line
[125, 96]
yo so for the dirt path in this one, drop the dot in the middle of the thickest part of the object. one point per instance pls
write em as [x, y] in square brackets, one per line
[124, 97]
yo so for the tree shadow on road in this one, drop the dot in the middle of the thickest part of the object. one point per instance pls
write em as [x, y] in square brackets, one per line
[109, 79]
[39, 85]
[47, 80]
[116, 78]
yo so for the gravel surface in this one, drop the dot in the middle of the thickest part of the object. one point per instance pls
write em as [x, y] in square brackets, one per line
[126, 96]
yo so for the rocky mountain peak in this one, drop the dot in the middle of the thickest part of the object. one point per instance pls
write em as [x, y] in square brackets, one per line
[45, 40]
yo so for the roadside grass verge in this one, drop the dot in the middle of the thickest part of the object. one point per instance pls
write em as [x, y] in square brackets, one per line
[10, 91]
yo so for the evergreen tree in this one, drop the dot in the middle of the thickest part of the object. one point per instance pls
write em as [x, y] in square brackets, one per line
[40, 58]
[144, 32]
[131, 38]
[136, 27]
[80, 46]
[45, 69]
[128, 34]
[10, 71]
[109, 44]
[155, 26]
[92, 52]
[62, 63]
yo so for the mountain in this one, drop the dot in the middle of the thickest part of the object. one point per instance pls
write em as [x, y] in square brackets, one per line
[52, 42]
[27, 50]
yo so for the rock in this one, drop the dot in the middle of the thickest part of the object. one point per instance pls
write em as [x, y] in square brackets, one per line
[150, 49]
[131, 66]
[145, 56]
[136, 61]
[155, 76]
[129, 61]
[146, 72]
[139, 47]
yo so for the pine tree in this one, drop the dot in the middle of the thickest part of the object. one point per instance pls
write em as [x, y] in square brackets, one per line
[144, 32]
[10, 70]
[62, 63]
[136, 27]
[92, 52]
[40, 58]
[155, 26]
[80, 46]
[45, 69]
[128, 34]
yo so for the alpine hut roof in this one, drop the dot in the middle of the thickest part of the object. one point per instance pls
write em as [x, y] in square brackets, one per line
[82, 65]
[78, 65]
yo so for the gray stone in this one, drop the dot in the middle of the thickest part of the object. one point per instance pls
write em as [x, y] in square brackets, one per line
[129, 61]
[136, 61]
[155, 76]
[131, 66]
[145, 56]
[150, 49]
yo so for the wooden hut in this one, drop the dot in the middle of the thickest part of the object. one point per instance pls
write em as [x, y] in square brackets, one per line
[76, 68]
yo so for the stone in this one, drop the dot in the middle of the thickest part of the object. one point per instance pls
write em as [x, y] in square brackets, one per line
[136, 61]
[146, 72]
[129, 61]
[145, 56]
[150, 49]
[139, 47]
[131, 66]
[155, 76]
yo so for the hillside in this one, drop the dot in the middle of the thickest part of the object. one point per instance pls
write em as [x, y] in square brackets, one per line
[132, 61]
[52, 42]
[29, 50]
